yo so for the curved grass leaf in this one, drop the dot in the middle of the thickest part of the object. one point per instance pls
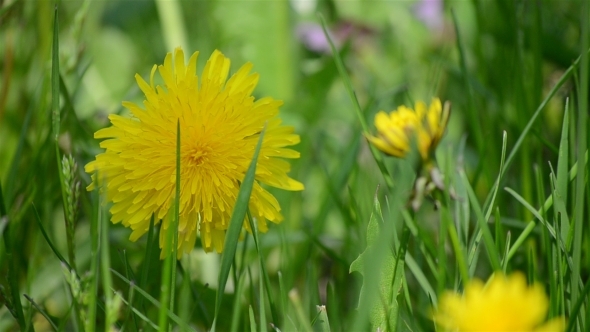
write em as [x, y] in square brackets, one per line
[155, 302]
[235, 227]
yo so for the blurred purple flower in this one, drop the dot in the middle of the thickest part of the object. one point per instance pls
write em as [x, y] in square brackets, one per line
[430, 12]
[313, 38]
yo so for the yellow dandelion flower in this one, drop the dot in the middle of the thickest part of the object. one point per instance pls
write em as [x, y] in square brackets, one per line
[506, 303]
[425, 124]
[220, 123]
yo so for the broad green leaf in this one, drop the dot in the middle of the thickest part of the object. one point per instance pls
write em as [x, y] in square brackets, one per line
[384, 311]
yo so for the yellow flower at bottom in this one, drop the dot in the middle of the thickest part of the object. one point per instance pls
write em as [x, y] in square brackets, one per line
[220, 123]
[425, 124]
[504, 304]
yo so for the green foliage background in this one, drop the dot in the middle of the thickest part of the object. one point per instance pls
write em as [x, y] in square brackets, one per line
[506, 66]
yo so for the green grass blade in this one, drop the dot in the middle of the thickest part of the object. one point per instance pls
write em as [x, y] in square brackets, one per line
[283, 295]
[359, 112]
[147, 261]
[105, 266]
[302, 319]
[263, 271]
[172, 23]
[472, 114]
[483, 225]
[421, 278]
[548, 203]
[41, 311]
[53, 248]
[506, 250]
[171, 238]
[253, 327]
[564, 77]
[576, 308]
[582, 140]
[55, 118]
[552, 231]
[236, 312]
[15, 165]
[499, 179]
[235, 227]
[322, 323]
[13, 264]
[139, 313]
[532, 210]
[155, 302]
[562, 167]
[129, 274]
[94, 262]
[261, 309]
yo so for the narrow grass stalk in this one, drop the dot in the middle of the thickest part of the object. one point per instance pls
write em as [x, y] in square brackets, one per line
[582, 140]
[261, 309]
[483, 225]
[56, 119]
[576, 308]
[263, 272]
[172, 22]
[147, 261]
[359, 112]
[253, 327]
[168, 282]
[236, 312]
[13, 268]
[139, 313]
[94, 261]
[49, 242]
[235, 227]
[564, 77]
[472, 114]
[41, 311]
[548, 203]
[105, 264]
[183, 326]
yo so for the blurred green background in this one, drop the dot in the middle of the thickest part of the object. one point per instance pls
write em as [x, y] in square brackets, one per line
[396, 52]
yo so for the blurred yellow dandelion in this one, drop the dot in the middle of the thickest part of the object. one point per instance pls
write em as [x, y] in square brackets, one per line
[424, 124]
[220, 123]
[506, 303]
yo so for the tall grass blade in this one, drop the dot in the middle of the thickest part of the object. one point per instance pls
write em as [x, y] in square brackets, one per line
[582, 140]
[53, 248]
[168, 282]
[16, 159]
[41, 311]
[171, 315]
[421, 278]
[483, 225]
[236, 312]
[472, 113]
[357, 106]
[94, 262]
[261, 309]
[105, 267]
[55, 117]
[564, 77]
[562, 167]
[576, 308]
[140, 314]
[235, 227]
[253, 327]
[264, 273]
